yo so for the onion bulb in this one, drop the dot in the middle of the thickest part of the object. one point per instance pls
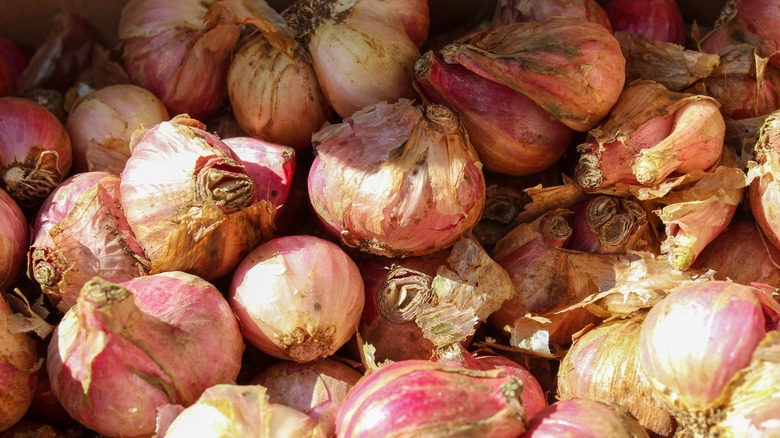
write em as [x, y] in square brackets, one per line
[515, 11]
[582, 417]
[14, 241]
[397, 180]
[693, 343]
[176, 51]
[656, 19]
[101, 124]
[190, 201]
[297, 297]
[126, 349]
[228, 410]
[81, 232]
[19, 365]
[416, 397]
[13, 60]
[603, 364]
[317, 388]
[35, 151]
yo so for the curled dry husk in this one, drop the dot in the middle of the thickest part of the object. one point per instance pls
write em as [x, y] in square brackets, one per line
[755, 401]
[603, 364]
[763, 173]
[740, 242]
[179, 52]
[514, 11]
[510, 132]
[397, 179]
[586, 418]
[559, 291]
[80, 232]
[575, 70]
[14, 238]
[189, 200]
[694, 342]
[36, 153]
[317, 388]
[229, 410]
[424, 398]
[694, 214]
[126, 349]
[651, 133]
[101, 125]
[671, 65]
[19, 364]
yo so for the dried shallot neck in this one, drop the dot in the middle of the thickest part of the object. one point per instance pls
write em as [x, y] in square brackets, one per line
[442, 119]
[45, 268]
[402, 294]
[103, 293]
[224, 182]
[30, 182]
[588, 175]
[304, 16]
[600, 210]
[556, 230]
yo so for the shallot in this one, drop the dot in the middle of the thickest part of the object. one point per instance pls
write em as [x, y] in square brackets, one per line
[81, 232]
[415, 397]
[694, 342]
[101, 124]
[190, 201]
[178, 52]
[239, 411]
[13, 60]
[297, 297]
[582, 417]
[657, 19]
[35, 151]
[126, 349]
[317, 388]
[397, 179]
[19, 363]
[514, 11]
[14, 237]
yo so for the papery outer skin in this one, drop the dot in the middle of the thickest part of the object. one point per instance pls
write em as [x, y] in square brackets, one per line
[652, 133]
[407, 341]
[697, 214]
[271, 166]
[275, 97]
[575, 70]
[423, 398]
[364, 58]
[79, 233]
[657, 19]
[755, 401]
[178, 227]
[14, 238]
[240, 411]
[317, 389]
[695, 340]
[584, 418]
[741, 241]
[603, 364]
[297, 297]
[754, 23]
[533, 397]
[112, 367]
[511, 134]
[415, 16]
[389, 182]
[514, 11]
[764, 191]
[101, 125]
[31, 139]
[170, 50]
[19, 365]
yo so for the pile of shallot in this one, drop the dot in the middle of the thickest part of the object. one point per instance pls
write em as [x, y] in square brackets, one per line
[340, 218]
